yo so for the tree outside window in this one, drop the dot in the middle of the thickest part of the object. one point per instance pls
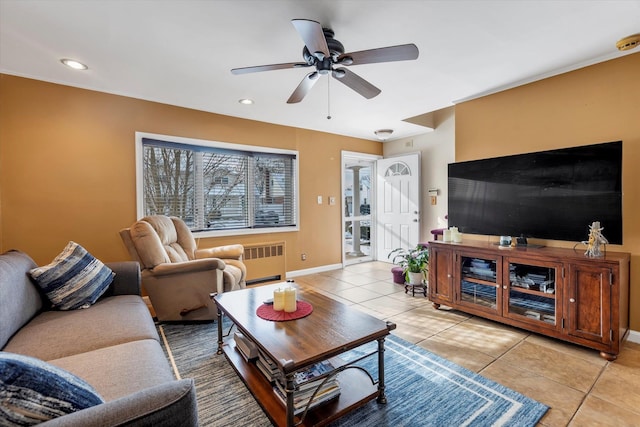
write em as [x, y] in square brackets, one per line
[218, 189]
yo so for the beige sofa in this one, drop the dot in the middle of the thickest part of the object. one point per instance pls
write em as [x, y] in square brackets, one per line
[113, 346]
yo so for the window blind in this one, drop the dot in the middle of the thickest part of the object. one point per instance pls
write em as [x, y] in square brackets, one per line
[214, 188]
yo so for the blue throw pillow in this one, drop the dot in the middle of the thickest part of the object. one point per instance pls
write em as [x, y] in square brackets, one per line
[75, 279]
[33, 391]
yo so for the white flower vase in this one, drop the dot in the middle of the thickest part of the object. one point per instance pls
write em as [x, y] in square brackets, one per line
[414, 278]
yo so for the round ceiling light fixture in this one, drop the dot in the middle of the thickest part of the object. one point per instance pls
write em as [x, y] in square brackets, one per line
[72, 63]
[629, 42]
[383, 134]
[245, 101]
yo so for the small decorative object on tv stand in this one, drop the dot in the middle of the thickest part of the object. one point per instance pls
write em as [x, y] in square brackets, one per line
[456, 236]
[595, 240]
[505, 241]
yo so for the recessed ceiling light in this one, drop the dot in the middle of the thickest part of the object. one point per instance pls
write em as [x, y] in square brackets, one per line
[72, 63]
[246, 101]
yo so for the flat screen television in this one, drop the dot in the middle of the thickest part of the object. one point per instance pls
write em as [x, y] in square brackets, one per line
[553, 194]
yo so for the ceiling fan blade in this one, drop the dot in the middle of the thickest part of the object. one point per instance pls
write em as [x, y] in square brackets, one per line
[355, 82]
[257, 68]
[313, 36]
[402, 52]
[303, 88]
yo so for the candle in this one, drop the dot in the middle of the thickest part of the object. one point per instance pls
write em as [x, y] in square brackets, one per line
[446, 235]
[290, 304]
[278, 299]
[456, 236]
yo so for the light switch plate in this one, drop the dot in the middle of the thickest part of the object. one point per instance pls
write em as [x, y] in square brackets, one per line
[332, 201]
[319, 200]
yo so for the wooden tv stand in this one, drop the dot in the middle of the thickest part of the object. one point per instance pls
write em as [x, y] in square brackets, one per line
[556, 292]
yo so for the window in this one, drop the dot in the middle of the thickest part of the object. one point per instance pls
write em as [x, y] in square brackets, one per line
[397, 169]
[217, 188]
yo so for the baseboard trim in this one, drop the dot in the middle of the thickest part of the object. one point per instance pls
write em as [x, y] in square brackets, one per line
[634, 336]
[314, 270]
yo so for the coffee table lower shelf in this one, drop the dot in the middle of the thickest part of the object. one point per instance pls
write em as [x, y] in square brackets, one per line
[356, 390]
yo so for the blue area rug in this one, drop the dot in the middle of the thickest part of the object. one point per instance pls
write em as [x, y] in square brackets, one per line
[426, 390]
[422, 389]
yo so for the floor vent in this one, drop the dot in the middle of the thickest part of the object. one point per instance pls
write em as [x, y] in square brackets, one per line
[265, 262]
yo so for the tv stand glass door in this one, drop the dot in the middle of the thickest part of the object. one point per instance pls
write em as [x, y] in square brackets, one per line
[480, 282]
[530, 292]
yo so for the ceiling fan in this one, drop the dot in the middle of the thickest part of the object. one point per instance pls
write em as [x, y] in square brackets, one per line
[324, 53]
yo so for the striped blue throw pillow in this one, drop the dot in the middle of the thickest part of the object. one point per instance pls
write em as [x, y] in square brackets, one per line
[32, 391]
[75, 279]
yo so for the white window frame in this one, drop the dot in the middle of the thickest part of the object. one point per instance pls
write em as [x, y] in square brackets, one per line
[216, 144]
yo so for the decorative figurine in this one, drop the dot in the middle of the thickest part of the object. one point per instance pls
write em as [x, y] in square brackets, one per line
[595, 240]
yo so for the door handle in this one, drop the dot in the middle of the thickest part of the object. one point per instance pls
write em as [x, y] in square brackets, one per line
[416, 220]
[572, 300]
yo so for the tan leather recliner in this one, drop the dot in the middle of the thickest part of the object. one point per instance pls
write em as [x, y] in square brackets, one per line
[177, 276]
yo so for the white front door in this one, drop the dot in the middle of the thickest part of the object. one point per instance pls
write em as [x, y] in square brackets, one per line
[398, 204]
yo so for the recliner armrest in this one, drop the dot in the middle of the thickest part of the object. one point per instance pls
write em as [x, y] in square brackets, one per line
[187, 266]
[223, 252]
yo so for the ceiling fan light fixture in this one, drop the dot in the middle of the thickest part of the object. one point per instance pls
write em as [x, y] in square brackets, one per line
[383, 134]
[628, 43]
[72, 63]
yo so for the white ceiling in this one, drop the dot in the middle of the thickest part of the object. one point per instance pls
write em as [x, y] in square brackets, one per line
[181, 52]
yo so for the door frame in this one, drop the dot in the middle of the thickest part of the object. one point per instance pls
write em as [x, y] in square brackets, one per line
[372, 240]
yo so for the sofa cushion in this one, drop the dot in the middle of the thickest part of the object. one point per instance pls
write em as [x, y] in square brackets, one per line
[171, 404]
[110, 321]
[74, 279]
[32, 391]
[120, 370]
[20, 299]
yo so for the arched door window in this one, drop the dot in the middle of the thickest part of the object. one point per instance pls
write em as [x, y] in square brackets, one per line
[397, 169]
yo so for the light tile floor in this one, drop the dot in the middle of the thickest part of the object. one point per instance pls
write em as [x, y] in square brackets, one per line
[580, 387]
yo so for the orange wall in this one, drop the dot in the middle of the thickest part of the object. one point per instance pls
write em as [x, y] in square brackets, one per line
[600, 103]
[67, 170]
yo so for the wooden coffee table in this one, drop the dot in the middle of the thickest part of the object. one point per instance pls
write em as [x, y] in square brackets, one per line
[332, 329]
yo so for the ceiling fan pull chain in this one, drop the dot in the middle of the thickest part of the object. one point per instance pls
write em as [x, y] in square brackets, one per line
[328, 99]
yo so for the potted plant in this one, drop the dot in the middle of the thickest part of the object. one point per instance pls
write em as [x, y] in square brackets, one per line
[415, 262]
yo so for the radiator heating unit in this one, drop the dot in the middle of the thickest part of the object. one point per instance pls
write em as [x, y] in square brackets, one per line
[265, 262]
